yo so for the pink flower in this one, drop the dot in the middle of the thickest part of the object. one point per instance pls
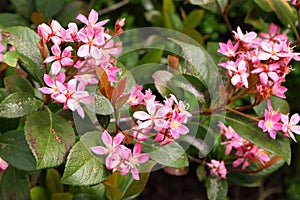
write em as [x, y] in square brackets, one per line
[270, 51]
[52, 32]
[240, 74]
[91, 42]
[92, 19]
[176, 126]
[3, 164]
[228, 49]
[133, 160]
[217, 169]
[290, 126]
[271, 122]
[60, 58]
[111, 146]
[53, 84]
[86, 79]
[244, 38]
[136, 96]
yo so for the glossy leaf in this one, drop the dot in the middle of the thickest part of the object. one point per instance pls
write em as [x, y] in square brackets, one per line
[14, 185]
[280, 146]
[153, 56]
[12, 58]
[95, 192]
[18, 105]
[284, 12]
[25, 41]
[15, 150]
[210, 5]
[39, 193]
[101, 105]
[171, 155]
[15, 83]
[50, 138]
[161, 80]
[53, 181]
[216, 188]
[278, 104]
[263, 5]
[83, 167]
[49, 8]
[203, 67]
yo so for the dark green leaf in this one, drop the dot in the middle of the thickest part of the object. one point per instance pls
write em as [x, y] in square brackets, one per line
[24, 7]
[12, 57]
[15, 83]
[263, 5]
[251, 132]
[278, 104]
[153, 56]
[194, 18]
[285, 13]
[53, 181]
[161, 80]
[201, 173]
[14, 185]
[3, 93]
[171, 155]
[25, 42]
[49, 8]
[39, 193]
[112, 192]
[83, 167]
[70, 11]
[203, 67]
[101, 105]
[168, 8]
[15, 150]
[254, 19]
[95, 192]
[216, 188]
[210, 5]
[50, 137]
[19, 104]
[12, 19]
[62, 196]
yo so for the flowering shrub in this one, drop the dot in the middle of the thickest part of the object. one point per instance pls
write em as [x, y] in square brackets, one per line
[85, 120]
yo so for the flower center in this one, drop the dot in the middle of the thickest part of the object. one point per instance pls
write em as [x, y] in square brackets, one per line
[269, 124]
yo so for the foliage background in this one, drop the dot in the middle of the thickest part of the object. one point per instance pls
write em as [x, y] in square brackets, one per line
[208, 28]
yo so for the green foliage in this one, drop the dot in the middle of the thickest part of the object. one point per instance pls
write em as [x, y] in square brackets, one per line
[216, 188]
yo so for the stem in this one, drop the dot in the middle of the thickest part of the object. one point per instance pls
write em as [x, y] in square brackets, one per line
[224, 14]
[113, 7]
[242, 114]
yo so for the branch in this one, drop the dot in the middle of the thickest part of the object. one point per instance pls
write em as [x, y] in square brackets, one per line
[113, 7]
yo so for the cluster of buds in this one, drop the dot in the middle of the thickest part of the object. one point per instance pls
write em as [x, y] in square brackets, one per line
[264, 61]
[75, 55]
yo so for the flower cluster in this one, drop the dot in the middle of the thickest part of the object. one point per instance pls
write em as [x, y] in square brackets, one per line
[166, 119]
[217, 169]
[265, 61]
[119, 157]
[75, 56]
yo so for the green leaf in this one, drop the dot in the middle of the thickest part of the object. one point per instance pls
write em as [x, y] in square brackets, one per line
[62, 196]
[15, 83]
[161, 80]
[49, 8]
[153, 56]
[95, 192]
[39, 193]
[18, 105]
[171, 155]
[263, 5]
[11, 58]
[201, 173]
[253, 18]
[216, 188]
[15, 150]
[83, 167]
[112, 192]
[194, 18]
[285, 13]
[25, 42]
[251, 132]
[14, 185]
[70, 11]
[53, 181]
[278, 104]
[134, 187]
[168, 8]
[203, 67]
[24, 7]
[101, 105]
[12, 19]
[210, 5]
[3, 93]
[50, 137]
